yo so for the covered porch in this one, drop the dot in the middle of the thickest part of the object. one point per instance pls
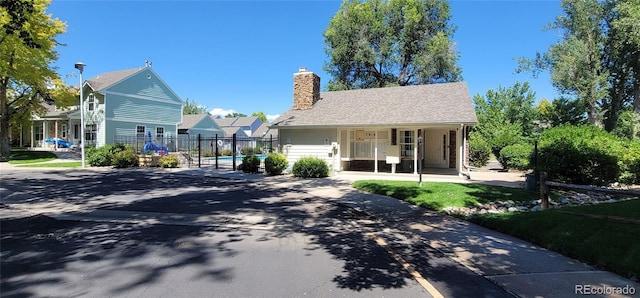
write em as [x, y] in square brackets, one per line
[438, 150]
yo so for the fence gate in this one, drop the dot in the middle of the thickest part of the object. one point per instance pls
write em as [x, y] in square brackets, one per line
[224, 152]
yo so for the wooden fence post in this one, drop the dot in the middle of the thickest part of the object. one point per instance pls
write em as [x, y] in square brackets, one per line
[544, 191]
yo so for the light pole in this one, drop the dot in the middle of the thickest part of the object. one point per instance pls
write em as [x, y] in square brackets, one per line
[80, 66]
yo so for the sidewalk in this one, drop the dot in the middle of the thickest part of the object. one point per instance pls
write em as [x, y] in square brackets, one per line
[519, 267]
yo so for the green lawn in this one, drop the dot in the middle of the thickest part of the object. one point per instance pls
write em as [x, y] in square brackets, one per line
[64, 164]
[605, 244]
[439, 195]
[26, 156]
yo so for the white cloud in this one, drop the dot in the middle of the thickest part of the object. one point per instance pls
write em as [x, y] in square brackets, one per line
[270, 118]
[221, 112]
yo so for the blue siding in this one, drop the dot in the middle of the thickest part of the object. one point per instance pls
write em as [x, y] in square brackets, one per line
[145, 83]
[126, 108]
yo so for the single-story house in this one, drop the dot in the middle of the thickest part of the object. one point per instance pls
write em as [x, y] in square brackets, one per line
[381, 129]
[118, 105]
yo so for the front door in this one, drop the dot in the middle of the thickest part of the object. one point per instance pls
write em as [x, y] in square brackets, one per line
[436, 148]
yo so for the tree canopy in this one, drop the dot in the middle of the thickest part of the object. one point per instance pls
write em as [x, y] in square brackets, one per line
[27, 50]
[597, 61]
[235, 114]
[390, 43]
[260, 116]
[191, 107]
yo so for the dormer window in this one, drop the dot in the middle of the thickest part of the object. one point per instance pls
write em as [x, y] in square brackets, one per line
[91, 100]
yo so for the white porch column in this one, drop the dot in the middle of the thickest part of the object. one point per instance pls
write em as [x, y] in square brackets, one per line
[31, 133]
[460, 143]
[44, 136]
[415, 152]
[375, 152]
[55, 140]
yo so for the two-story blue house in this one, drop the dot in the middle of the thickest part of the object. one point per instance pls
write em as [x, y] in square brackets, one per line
[126, 103]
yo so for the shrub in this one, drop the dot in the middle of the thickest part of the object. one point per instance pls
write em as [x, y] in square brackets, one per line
[479, 151]
[250, 164]
[249, 151]
[516, 156]
[169, 161]
[310, 167]
[102, 157]
[630, 163]
[275, 164]
[580, 154]
[225, 152]
[125, 159]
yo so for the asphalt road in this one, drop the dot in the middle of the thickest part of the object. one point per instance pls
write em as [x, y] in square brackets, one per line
[146, 233]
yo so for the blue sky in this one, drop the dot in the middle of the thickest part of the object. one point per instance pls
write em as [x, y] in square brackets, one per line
[241, 55]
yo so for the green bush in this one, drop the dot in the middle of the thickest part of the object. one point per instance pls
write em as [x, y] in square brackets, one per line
[630, 163]
[125, 159]
[580, 154]
[479, 151]
[250, 164]
[102, 157]
[310, 167]
[169, 161]
[275, 164]
[516, 156]
[225, 152]
[249, 151]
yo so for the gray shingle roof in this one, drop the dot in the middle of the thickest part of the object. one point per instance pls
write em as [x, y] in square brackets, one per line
[189, 121]
[432, 104]
[107, 79]
[265, 131]
[245, 121]
[224, 122]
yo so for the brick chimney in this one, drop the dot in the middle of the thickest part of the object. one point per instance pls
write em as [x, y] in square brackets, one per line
[306, 89]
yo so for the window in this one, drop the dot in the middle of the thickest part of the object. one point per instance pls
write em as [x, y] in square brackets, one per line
[159, 134]
[140, 130]
[91, 102]
[90, 132]
[64, 131]
[444, 147]
[406, 143]
[38, 133]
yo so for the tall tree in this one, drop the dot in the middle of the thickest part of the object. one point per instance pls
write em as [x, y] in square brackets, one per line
[191, 107]
[27, 49]
[260, 116]
[505, 116]
[625, 23]
[575, 62]
[390, 43]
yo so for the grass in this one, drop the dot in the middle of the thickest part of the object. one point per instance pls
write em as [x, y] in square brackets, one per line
[18, 157]
[439, 195]
[64, 164]
[605, 244]
[608, 245]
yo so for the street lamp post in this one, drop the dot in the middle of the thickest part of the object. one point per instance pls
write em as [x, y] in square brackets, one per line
[80, 66]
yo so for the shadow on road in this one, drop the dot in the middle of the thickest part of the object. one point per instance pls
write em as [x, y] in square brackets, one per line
[34, 247]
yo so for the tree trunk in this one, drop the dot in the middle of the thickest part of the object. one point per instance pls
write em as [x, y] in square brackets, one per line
[5, 150]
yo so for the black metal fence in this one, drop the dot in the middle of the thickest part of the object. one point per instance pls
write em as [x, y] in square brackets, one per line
[223, 152]
[196, 150]
[137, 142]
